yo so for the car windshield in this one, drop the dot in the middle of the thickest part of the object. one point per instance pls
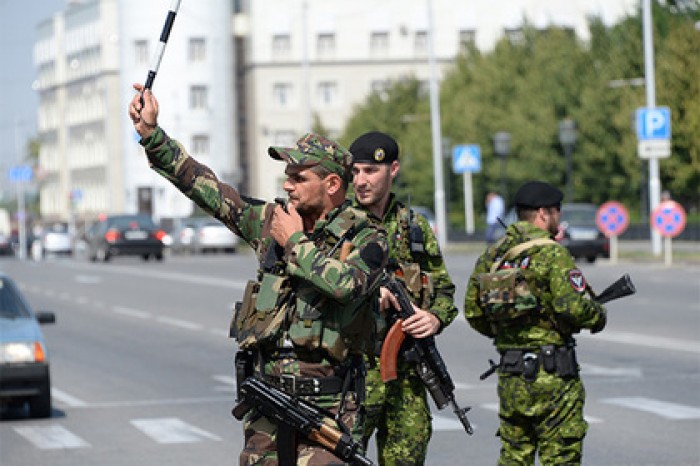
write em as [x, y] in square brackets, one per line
[11, 307]
[579, 216]
[131, 222]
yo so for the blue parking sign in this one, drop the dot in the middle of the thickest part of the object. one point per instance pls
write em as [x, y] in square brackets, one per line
[653, 123]
[466, 158]
[20, 173]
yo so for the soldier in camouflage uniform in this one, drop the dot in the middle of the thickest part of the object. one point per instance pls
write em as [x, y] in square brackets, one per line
[531, 300]
[306, 320]
[398, 410]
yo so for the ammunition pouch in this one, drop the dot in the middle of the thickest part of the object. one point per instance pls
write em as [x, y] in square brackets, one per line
[559, 360]
[418, 283]
[259, 316]
[506, 294]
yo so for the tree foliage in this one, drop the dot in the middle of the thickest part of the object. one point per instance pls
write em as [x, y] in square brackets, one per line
[526, 87]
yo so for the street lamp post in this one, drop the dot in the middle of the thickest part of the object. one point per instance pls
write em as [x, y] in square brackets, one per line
[567, 138]
[501, 145]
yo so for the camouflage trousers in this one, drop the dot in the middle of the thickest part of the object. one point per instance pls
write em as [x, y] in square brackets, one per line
[399, 413]
[543, 417]
[260, 434]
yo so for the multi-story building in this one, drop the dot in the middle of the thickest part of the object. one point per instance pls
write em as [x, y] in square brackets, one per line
[318, 58]
[87, 59]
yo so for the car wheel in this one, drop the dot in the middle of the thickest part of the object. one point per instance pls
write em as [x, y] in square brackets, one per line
[159, 257]
[101, 254]
[145, 257]
[40, 405]
[590, 259]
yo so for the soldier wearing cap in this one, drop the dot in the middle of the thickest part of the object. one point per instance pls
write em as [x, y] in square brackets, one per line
[398, 410]
[532, 324]
[307, 318]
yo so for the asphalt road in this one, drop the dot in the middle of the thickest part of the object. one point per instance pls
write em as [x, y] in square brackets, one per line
[142, 367]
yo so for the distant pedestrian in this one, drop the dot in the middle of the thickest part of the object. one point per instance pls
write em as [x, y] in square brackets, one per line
[495, 208]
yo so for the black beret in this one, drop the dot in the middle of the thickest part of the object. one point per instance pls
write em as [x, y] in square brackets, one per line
[374, 147]
[536, 194]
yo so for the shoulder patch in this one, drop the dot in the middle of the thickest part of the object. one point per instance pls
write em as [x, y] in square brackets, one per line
[577, 280]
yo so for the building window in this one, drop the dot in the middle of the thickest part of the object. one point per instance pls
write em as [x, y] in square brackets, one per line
[420, 43]
[281, 45]
[200, 144]
[197, 51]
[327, 93]
[514, 35]
[325, 44]
[282, 93]
[198, 97]
[379, 43]
[467, 40]
[141, 52]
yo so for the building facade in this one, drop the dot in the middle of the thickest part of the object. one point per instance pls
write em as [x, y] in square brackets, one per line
[87, 59]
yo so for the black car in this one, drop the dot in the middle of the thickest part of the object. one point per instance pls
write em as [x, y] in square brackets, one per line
[581, 235]
[124, 235]
[579, 232]
[24, 362]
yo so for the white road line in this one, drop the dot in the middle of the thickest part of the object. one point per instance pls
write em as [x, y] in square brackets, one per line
[649, 341]
[51, 437]
[443, 423]
[88, 279]
[66, 399]
[186, 324]
[591, 369]
[664, 409]
[172, 430]
[224, 379]
[131, 312]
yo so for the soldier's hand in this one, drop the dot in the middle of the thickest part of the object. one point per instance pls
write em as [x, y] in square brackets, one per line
[387, 300]
[422, 324]
[285, 224]
[144, 115]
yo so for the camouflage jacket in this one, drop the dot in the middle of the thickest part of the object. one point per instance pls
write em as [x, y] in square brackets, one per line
[439, 298]
[333, 300]
[565, 306]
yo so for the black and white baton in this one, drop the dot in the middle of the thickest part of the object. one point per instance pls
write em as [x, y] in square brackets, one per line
[155, 64]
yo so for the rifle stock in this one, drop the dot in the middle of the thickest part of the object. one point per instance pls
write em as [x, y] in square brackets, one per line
[423, 353]
[302, 416]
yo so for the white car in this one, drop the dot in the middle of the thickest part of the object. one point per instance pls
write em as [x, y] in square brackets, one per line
[54, 239]
[212, 235]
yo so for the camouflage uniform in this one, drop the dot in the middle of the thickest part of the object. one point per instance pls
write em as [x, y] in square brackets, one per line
[544, 414]
[313, 313]
[398, 410]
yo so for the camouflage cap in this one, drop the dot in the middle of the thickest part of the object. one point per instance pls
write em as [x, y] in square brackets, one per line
[312, 150]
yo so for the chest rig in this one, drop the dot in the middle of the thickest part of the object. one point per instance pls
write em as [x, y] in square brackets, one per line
[281, 313]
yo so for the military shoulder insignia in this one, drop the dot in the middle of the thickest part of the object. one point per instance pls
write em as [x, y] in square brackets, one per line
[577, 280]
[379, 154]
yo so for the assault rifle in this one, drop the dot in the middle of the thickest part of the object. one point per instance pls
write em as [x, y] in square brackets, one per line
[422, 353]
[313, 422]
[620, 288]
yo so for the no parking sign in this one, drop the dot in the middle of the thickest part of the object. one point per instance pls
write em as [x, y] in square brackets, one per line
[668, 219]
[612, 218]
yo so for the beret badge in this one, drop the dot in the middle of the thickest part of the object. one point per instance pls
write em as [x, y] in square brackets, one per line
[379, 154]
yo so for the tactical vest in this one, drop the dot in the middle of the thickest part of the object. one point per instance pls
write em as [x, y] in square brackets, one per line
[276, 312]
[509, 290]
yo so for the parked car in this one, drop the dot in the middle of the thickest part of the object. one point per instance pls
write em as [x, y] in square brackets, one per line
[5, 245]
[581, 235]
[182, 236]
[24, 361]
[124, 235]
[53, 239]
[210, 235]
[580, 232]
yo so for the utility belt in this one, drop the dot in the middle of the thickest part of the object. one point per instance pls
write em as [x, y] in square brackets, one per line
[347, 379]
[559, 360]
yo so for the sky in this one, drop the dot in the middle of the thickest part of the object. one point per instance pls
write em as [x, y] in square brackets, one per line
[18, 101]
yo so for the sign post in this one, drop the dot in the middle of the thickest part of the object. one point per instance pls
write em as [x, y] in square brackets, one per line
[668, 219]
[19, 175]
[612, 219]
[466, 159]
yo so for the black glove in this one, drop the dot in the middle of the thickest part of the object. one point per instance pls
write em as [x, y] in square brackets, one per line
[600, 324]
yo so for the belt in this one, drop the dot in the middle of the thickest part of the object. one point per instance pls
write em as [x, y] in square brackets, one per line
[559, 360]
[305, 386]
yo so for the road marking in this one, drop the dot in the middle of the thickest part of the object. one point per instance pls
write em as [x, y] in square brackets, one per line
[649, 341]
[591, 369]
[224, 379]
[51, 437]
[443, 423]
[88, 279]
[172, 430]
[131, 312]
[66, 399]
[186, 324]
[664, 409]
